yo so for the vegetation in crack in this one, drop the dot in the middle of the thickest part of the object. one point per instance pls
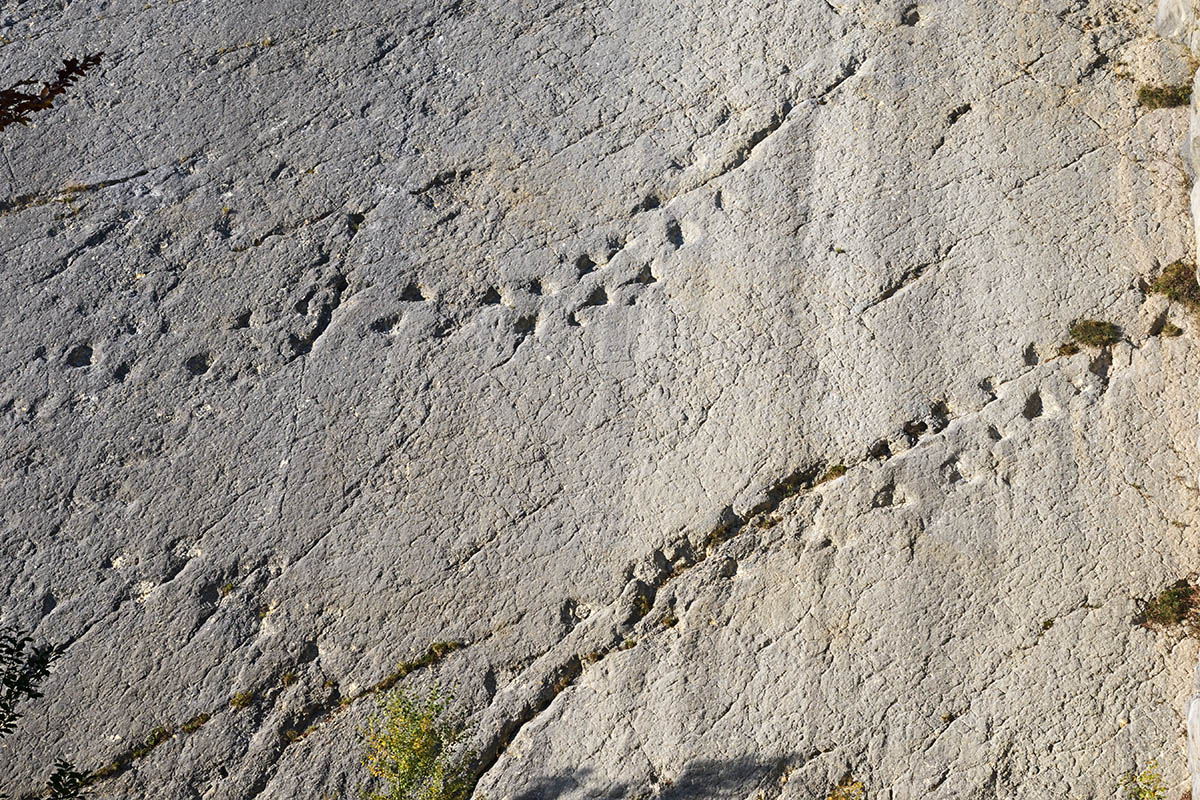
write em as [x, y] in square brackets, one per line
[1174, 606]
[1178, 284]
[308, 719]
[1095, 333]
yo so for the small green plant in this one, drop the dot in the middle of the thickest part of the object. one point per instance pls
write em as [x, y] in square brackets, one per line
[1165, 96]
[1170, 330]
[436, 652]
[242, 700]
[1095, 333]
[195, 723]
[226, 589]
[1068, 349]
[718, 535]
[288, 678]
[153, 740]
[1172, 606]
[848, 789]
[1146, 785]
[408, 750]
[669, 620]
[833, 473]
[1178, 283]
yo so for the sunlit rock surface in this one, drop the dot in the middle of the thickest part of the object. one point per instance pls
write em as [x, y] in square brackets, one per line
[337, 330]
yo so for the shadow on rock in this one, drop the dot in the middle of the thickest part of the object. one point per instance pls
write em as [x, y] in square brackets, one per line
[704, 778]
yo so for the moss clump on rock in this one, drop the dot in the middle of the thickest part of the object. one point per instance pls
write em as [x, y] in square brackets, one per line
[1095, 333]
[1178, 284]
[1165, 96]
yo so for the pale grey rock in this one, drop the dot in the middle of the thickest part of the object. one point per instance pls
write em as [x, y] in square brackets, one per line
[476, 321]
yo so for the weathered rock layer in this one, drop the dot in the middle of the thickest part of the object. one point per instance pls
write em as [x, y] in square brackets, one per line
[336, 331]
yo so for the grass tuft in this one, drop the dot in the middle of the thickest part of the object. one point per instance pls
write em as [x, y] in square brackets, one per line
[436, 652]
[153, 740]
[194, 724]
[242, 700]
[1170, 330]
[1172, 606]
[1095, 333]
[833, 473]
[1178, 283]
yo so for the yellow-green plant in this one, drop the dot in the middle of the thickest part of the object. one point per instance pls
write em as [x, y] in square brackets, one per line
[848, 789]
[408, 750]
[1146, 785]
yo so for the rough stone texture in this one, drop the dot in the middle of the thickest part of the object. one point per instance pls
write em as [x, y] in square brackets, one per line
[335, 330]
[1177, 20]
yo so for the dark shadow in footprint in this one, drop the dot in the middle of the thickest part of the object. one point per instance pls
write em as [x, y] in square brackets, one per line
[385, 324]
[1100, 365]
[412, 294]
[598, 297]
[584, 265]
[80, 356]
[950, 470]
[1033, 406]
[674, 234]
[649, 203]
[939, 416]
[523, 327]
[914, 430]
[197, 364]
[615, 245]
[885, 497]
[490, 298]
[644, 276]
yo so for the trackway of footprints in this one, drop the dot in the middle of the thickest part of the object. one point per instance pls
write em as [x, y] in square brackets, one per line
[571, 294]
[593, 280]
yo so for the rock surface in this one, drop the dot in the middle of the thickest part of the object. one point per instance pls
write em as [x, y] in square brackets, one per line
[337, 330]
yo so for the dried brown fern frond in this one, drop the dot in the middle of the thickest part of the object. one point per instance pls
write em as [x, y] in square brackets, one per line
[17, 104]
